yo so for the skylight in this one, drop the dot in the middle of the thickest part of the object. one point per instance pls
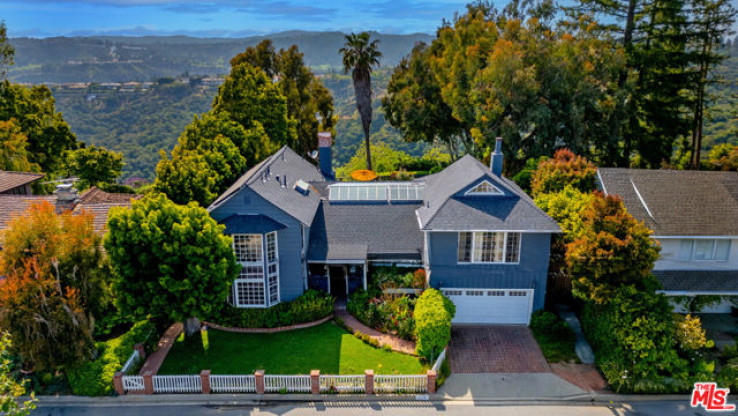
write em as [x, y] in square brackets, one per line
[379, 191]
[484, 188]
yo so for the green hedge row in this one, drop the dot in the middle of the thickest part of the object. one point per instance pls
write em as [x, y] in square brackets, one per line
[433, 315]
[311, 306]
[95, 378]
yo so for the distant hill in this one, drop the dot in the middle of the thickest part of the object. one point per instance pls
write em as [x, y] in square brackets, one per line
[122, 59]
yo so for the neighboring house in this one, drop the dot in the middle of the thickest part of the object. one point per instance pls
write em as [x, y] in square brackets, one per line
[479, 237]
[17, 183]
[694, 215]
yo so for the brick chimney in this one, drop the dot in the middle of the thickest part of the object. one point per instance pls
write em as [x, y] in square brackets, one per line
[325, 154]
[495, 159]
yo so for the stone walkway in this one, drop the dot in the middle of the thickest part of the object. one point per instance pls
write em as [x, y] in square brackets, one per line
[155, 360]
[396, 343]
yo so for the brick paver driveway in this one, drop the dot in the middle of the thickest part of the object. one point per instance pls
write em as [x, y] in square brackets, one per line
[495, 349]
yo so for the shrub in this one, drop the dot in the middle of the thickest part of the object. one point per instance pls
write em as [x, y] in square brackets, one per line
[564, 169]
[728, 377]
[730, 352]
[433, 314]
[95, 378]
[311, 306]
[553, 335]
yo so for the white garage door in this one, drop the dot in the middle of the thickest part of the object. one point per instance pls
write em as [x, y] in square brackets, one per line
[491, 306]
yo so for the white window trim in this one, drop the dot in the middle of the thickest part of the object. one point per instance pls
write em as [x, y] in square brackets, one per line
[714, 251]
[276, 273]
[263, 280]
[504, 249]
[471, 192]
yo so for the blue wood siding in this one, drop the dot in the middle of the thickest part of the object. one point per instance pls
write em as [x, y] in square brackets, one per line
[530, 273]
[289, 240]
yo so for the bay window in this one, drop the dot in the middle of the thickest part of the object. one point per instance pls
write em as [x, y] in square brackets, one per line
[488, 247]
[254, 287]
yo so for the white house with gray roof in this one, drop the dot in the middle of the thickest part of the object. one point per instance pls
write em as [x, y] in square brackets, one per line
[479, 237]
[694, 216]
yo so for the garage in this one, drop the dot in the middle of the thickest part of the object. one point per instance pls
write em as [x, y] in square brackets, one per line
[491, 306]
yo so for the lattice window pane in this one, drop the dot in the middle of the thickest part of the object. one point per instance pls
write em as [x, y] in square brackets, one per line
[465, 246]
[271, 243]
[247, 248]
[248, 293]
[513, 248]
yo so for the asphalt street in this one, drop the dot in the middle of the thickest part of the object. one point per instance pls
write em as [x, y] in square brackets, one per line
[400, 408]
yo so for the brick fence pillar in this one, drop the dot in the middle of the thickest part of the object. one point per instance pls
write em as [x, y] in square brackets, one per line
[118, 383]
[141, 351]
[259, 375]
[148, 382]
[369, 381]
[315, 381]
[205, 381]
[432, 376]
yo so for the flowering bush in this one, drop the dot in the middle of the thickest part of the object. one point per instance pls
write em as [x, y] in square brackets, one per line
[389, 314]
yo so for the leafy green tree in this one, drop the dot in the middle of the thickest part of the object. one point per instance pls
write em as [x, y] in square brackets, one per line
[7, 51]
[251, 98]
[207, 160]
[433, 315]
[94, 165]
[564, 169]
[10, 389]
[360, 54]
[173, 262]
[13, 149]
[384, 159]
[414, 105]
[305, 93]
[723, 157]
[49, 136]
[614, 250]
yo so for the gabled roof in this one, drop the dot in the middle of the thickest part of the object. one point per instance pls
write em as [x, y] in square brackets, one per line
[96, 195]
[262, 179]
[444, 209]
[10, 180]
[373, 231]
[677, 202]
[251, 224]
[99, 202]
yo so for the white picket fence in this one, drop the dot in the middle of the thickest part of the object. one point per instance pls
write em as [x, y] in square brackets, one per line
[133, 383]
[134, 359]
[177, 384]
[232, 384]
[289, 384]
[400, 384]
[342, 384]
[439, 362]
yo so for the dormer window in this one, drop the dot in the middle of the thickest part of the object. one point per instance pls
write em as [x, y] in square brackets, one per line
[484, 188]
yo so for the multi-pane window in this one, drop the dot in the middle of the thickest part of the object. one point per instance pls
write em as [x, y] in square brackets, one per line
[484, 188]
[272, 268]
[247, 248]
[704, 249]
[258, 281]
[488, 247]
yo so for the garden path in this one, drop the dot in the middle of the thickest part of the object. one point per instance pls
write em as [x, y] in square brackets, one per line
[396, 343]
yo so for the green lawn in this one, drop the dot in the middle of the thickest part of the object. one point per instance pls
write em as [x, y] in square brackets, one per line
[326, 347]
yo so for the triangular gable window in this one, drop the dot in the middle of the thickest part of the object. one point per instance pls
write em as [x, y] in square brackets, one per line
[484, 188]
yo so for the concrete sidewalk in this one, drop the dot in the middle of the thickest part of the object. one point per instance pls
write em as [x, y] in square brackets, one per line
[508, 386]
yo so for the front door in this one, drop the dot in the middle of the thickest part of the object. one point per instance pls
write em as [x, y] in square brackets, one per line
[338, 282]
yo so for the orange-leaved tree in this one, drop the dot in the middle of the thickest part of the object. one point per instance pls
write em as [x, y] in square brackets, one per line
[565, 168]
[64, 246]
[45, 320]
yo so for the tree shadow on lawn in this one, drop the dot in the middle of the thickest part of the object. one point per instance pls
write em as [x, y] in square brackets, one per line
[325, 347]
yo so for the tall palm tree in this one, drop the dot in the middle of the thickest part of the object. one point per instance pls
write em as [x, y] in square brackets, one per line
[359, 55]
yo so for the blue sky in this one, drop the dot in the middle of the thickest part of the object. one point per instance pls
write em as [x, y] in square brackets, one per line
[220, 18]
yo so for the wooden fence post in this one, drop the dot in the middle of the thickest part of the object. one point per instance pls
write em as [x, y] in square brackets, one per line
[432, 376]
[369, 381]
[118, 383]
[148, 382]
[205, 381]
[259, 378]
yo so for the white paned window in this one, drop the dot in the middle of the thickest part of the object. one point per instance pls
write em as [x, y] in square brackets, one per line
[488, 247]
[272, 268]
[704, 249]
[248, 289]
[484, 188]
[247, 247]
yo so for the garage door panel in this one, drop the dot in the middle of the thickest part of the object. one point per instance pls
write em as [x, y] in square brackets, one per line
[491, 306]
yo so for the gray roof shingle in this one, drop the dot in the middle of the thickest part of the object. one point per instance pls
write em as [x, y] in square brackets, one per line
[700, 281]
[284, 163]
[676, 202]
[384, 231]
[442, 210]
[10, 180]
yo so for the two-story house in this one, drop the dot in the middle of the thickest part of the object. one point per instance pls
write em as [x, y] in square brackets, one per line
[479, 237]
[694, 216]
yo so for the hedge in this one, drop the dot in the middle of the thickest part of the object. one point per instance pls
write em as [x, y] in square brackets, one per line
[95, 378]
[311, 306]
[433, 315]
